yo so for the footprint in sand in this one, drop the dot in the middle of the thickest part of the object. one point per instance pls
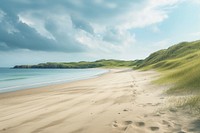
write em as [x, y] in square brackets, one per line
[149, 104]
[121, 125]
[125, 110]
[127, 122]
[154, 128]
[140, 124]
[173, 110]
[115, 124]
[131, 86]
[145, 115]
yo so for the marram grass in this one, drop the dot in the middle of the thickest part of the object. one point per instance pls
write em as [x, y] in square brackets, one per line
[179, 66]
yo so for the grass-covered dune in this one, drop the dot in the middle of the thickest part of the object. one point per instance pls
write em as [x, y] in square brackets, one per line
[82, 64]
[177, 51]
[180, 65]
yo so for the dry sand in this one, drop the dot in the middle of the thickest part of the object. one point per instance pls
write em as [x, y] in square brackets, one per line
[121, 101]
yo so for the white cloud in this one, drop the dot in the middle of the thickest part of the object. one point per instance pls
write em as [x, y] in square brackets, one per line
[98, 25]
[37, 23]
[152, 12]
[98, 44]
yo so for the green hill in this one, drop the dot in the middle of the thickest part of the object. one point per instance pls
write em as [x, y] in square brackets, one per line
[82, 64]
[177, 51]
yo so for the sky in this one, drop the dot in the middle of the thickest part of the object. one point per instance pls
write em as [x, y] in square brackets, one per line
[35, 31]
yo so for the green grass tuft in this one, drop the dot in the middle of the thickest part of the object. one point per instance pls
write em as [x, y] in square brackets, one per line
[191, 102]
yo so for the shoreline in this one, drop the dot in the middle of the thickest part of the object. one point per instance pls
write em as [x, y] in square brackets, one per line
[44, 88]
[46, 83]
[116, 102]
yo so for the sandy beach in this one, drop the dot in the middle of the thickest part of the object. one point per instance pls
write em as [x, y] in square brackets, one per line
[121, 101]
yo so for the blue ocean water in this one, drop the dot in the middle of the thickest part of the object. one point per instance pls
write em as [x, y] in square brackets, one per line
[17, 79]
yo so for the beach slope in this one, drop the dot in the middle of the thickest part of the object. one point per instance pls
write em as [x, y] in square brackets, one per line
[121, 101]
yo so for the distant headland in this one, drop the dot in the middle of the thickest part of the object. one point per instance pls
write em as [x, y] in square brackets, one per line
[82, 64]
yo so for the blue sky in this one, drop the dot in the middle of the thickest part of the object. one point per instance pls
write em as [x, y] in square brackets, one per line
[60, 31]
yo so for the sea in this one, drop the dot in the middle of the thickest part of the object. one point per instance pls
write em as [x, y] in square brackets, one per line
[18, 79]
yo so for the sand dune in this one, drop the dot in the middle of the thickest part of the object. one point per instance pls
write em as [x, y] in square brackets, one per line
[122, 101]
